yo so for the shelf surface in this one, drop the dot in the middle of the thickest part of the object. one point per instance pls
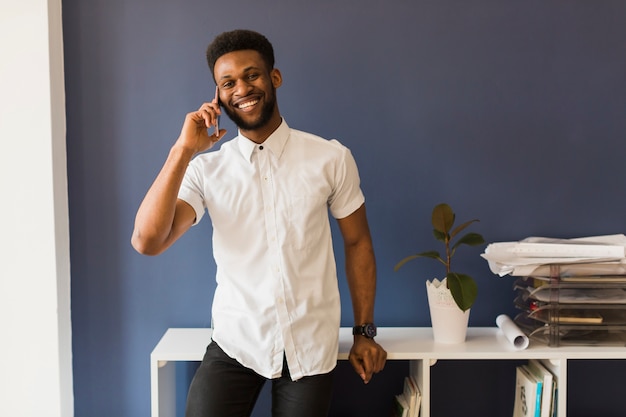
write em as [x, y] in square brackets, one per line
[403, 343]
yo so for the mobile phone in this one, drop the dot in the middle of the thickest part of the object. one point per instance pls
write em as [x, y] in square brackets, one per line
[217, 119]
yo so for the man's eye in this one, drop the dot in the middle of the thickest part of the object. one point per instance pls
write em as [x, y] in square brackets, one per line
[253, 76]
[227, 85]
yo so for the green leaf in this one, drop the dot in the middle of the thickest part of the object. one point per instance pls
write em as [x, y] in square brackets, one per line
[471, 239]
[430, 254]
[463, 289]
[443, 218]
[441, 236]
[462, 227]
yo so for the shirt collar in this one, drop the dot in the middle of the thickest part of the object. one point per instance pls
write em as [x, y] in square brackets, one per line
[275, 142]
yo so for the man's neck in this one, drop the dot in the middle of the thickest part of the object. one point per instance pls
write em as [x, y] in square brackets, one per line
[259, 135]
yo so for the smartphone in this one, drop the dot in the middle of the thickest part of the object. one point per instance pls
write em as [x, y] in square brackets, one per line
[217, 120]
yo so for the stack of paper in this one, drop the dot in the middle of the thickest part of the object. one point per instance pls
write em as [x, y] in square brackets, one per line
[597, 255]
[407, 404]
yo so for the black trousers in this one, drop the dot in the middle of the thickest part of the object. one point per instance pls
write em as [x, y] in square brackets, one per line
[222, 387]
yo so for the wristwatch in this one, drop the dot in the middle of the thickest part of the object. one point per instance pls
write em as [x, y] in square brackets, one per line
[368, 330]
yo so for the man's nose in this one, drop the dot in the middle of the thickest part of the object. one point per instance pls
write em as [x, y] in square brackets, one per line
[242, 87]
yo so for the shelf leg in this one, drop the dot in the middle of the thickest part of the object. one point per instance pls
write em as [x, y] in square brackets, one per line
[163, 388]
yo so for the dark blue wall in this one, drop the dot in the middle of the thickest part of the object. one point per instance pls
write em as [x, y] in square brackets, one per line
[513, 112]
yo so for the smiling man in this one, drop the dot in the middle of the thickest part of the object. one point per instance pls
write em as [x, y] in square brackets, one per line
[268, 193]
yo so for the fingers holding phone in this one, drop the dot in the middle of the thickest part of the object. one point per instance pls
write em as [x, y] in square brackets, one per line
[195, 133]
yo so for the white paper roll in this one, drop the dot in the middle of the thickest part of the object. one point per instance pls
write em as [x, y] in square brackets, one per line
[513, 333]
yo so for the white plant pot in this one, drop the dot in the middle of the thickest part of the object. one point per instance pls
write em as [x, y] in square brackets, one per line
[449, 322]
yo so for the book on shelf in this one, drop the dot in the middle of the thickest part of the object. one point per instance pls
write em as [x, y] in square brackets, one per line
[400, 406]
[548, 389]
[555, 387]
[528, 390]
[407, 403]
[413, 396]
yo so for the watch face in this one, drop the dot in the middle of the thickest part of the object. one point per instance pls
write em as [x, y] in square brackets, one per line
[369, 330]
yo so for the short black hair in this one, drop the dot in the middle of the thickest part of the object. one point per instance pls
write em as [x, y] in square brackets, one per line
[238, 40]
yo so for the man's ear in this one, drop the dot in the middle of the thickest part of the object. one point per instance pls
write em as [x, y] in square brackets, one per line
[277, 78]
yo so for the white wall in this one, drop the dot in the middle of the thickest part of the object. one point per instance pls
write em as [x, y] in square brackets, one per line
[35, 330]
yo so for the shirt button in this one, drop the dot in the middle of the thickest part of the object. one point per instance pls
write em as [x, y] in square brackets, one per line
[261, 147]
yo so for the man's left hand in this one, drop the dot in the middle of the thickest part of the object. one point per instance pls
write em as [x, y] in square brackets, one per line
[367, 357]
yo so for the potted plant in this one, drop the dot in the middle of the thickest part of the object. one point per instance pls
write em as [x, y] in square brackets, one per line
[455, 290]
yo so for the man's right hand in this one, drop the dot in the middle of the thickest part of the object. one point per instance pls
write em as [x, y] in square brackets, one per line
[194, 134]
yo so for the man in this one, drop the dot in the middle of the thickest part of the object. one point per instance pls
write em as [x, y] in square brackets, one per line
[276, 308]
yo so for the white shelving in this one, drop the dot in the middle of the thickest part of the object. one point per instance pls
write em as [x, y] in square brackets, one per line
[414, 344]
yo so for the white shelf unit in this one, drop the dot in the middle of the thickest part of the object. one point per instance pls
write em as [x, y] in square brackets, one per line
[414, 344]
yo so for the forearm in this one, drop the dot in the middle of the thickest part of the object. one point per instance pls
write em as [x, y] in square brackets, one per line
[155, 219]
[361, 275]
[366, 356]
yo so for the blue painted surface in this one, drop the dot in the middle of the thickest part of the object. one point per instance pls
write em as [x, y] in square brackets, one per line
[513, 112]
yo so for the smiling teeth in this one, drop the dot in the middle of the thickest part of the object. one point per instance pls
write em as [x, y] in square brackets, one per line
[248, 104]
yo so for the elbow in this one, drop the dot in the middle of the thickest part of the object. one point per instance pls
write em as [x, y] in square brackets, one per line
[145, 246]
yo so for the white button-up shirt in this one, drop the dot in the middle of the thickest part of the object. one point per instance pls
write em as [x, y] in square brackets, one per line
[277, 291]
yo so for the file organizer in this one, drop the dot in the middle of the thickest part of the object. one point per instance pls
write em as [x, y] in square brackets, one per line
[561, 310]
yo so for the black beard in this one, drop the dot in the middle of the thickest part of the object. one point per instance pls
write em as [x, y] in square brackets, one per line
[262, 121]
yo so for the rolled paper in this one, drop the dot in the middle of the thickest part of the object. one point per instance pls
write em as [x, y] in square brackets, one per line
[512, 333]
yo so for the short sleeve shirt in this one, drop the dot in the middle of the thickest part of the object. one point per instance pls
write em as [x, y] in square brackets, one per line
[277, 293]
